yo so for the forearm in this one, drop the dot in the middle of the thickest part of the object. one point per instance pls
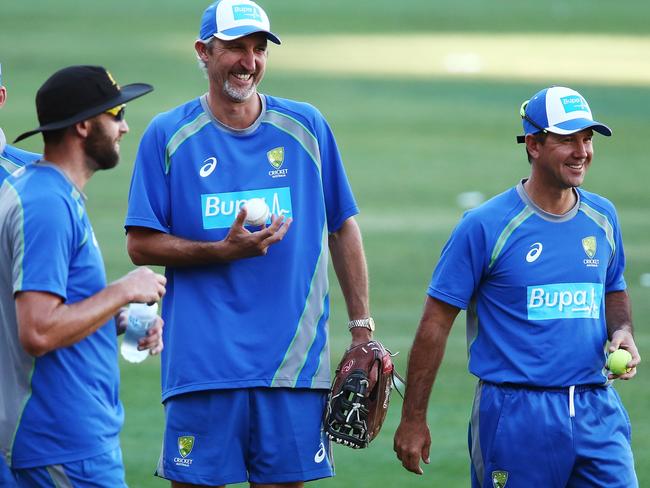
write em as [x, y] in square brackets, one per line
[46, 323]
[426, 356]
[618, 313]
[349, 261]
[150, 247]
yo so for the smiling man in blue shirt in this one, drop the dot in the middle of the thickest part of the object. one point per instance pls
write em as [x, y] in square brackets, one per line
[247, 370]
[539, 269]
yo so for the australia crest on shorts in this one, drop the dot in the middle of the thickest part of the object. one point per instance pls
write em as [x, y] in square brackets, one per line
[499, 479]
[185, 445]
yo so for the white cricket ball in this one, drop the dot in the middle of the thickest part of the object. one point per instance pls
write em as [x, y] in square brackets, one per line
[257, 211]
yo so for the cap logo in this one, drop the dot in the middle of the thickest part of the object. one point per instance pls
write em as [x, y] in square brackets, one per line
[246, 12]
[572, 103]
[110, 77]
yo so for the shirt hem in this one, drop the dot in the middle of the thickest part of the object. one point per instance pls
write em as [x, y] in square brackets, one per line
[64, 458]
[149, 224]
[433, 293]
[231, 385]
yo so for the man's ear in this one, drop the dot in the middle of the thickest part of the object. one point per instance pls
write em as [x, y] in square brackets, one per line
[83, 128]
[201, 50]
[3, 95]
[532, 145]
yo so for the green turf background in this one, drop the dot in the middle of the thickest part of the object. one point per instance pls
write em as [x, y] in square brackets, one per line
[410, 147]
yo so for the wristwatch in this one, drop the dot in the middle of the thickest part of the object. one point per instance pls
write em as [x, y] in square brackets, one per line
[368, 323]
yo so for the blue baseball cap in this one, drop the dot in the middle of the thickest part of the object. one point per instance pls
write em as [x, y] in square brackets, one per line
[559, 110]
[231, 19]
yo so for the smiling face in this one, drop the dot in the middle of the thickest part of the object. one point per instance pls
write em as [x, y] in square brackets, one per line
[235, 68]
[561, 161]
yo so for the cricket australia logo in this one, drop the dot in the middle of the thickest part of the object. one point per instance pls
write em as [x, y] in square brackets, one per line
[185, 446]
[276, 159]
[589, 246]
[499, 479]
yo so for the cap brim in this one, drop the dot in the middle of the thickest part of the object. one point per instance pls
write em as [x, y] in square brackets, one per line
[127, 93]
[576, 125]
[237, 32]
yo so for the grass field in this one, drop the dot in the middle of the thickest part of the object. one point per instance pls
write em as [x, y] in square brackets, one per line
[423, 99]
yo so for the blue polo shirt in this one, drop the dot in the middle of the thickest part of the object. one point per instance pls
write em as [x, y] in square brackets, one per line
[62, 406]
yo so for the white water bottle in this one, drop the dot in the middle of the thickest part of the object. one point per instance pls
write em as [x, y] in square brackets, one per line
[141, 319]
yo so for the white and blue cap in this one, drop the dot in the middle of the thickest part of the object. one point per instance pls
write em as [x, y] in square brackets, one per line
[231, 19]
[559, 110]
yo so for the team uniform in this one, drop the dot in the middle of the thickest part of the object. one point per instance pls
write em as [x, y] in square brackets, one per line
[534, 286]
[13, 158]
[60, 415]
[255, 323]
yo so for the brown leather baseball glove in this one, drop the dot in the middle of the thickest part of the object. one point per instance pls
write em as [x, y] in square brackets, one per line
[358, 400]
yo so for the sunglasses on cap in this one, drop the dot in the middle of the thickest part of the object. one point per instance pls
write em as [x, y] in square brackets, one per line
[117, 112]
[524, 115]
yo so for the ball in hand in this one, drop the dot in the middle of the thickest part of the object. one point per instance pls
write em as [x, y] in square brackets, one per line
[617, 361]
[257, 212]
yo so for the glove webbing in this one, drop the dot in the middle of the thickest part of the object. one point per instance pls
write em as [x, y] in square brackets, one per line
[348, 414]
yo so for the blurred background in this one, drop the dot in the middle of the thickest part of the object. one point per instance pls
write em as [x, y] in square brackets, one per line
[423, 98]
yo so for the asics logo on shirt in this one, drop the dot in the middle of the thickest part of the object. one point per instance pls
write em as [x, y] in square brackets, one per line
[535, 251]
[208, 167]
[220, 209]
[564, 301]
[320, 455]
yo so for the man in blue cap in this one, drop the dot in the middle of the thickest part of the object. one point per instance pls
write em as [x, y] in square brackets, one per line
[539, 269]
[247, 371]
[11, 158]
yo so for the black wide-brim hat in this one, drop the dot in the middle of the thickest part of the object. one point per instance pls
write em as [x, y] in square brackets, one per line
[78, 93]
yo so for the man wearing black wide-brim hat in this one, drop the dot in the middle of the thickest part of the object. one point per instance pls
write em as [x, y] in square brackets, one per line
[60, 415]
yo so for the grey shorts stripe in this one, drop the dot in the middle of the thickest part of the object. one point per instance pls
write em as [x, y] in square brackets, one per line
[476, 454]
[59, 478]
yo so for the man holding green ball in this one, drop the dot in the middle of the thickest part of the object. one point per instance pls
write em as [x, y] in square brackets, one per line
[539, 269]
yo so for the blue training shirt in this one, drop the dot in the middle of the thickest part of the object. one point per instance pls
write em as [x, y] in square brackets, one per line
[13, 158]
[534, 287]
[62, 406]
[252, 322]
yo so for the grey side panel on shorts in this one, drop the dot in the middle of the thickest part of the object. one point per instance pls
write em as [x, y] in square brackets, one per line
[59, 477]
[476, 453]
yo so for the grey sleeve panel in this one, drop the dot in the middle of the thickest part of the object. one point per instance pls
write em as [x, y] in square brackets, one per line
[17, 366]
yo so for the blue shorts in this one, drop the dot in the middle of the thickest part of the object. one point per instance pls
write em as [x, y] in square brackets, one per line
[105, 470]
[550, 437]
[6, 477]
[260, 435]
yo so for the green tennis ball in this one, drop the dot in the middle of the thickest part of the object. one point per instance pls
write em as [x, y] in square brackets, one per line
[617, 361]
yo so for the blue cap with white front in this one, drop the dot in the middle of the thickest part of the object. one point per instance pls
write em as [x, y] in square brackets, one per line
[231, 19]
[559, 110]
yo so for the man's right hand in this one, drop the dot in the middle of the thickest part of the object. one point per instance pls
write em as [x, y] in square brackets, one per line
[242, 243]
[143, 285]
[412, 442]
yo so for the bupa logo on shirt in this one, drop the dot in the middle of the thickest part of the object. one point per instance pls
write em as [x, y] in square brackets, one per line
[564, 301]
[572, 103]
[220, 209]
[246, 12]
